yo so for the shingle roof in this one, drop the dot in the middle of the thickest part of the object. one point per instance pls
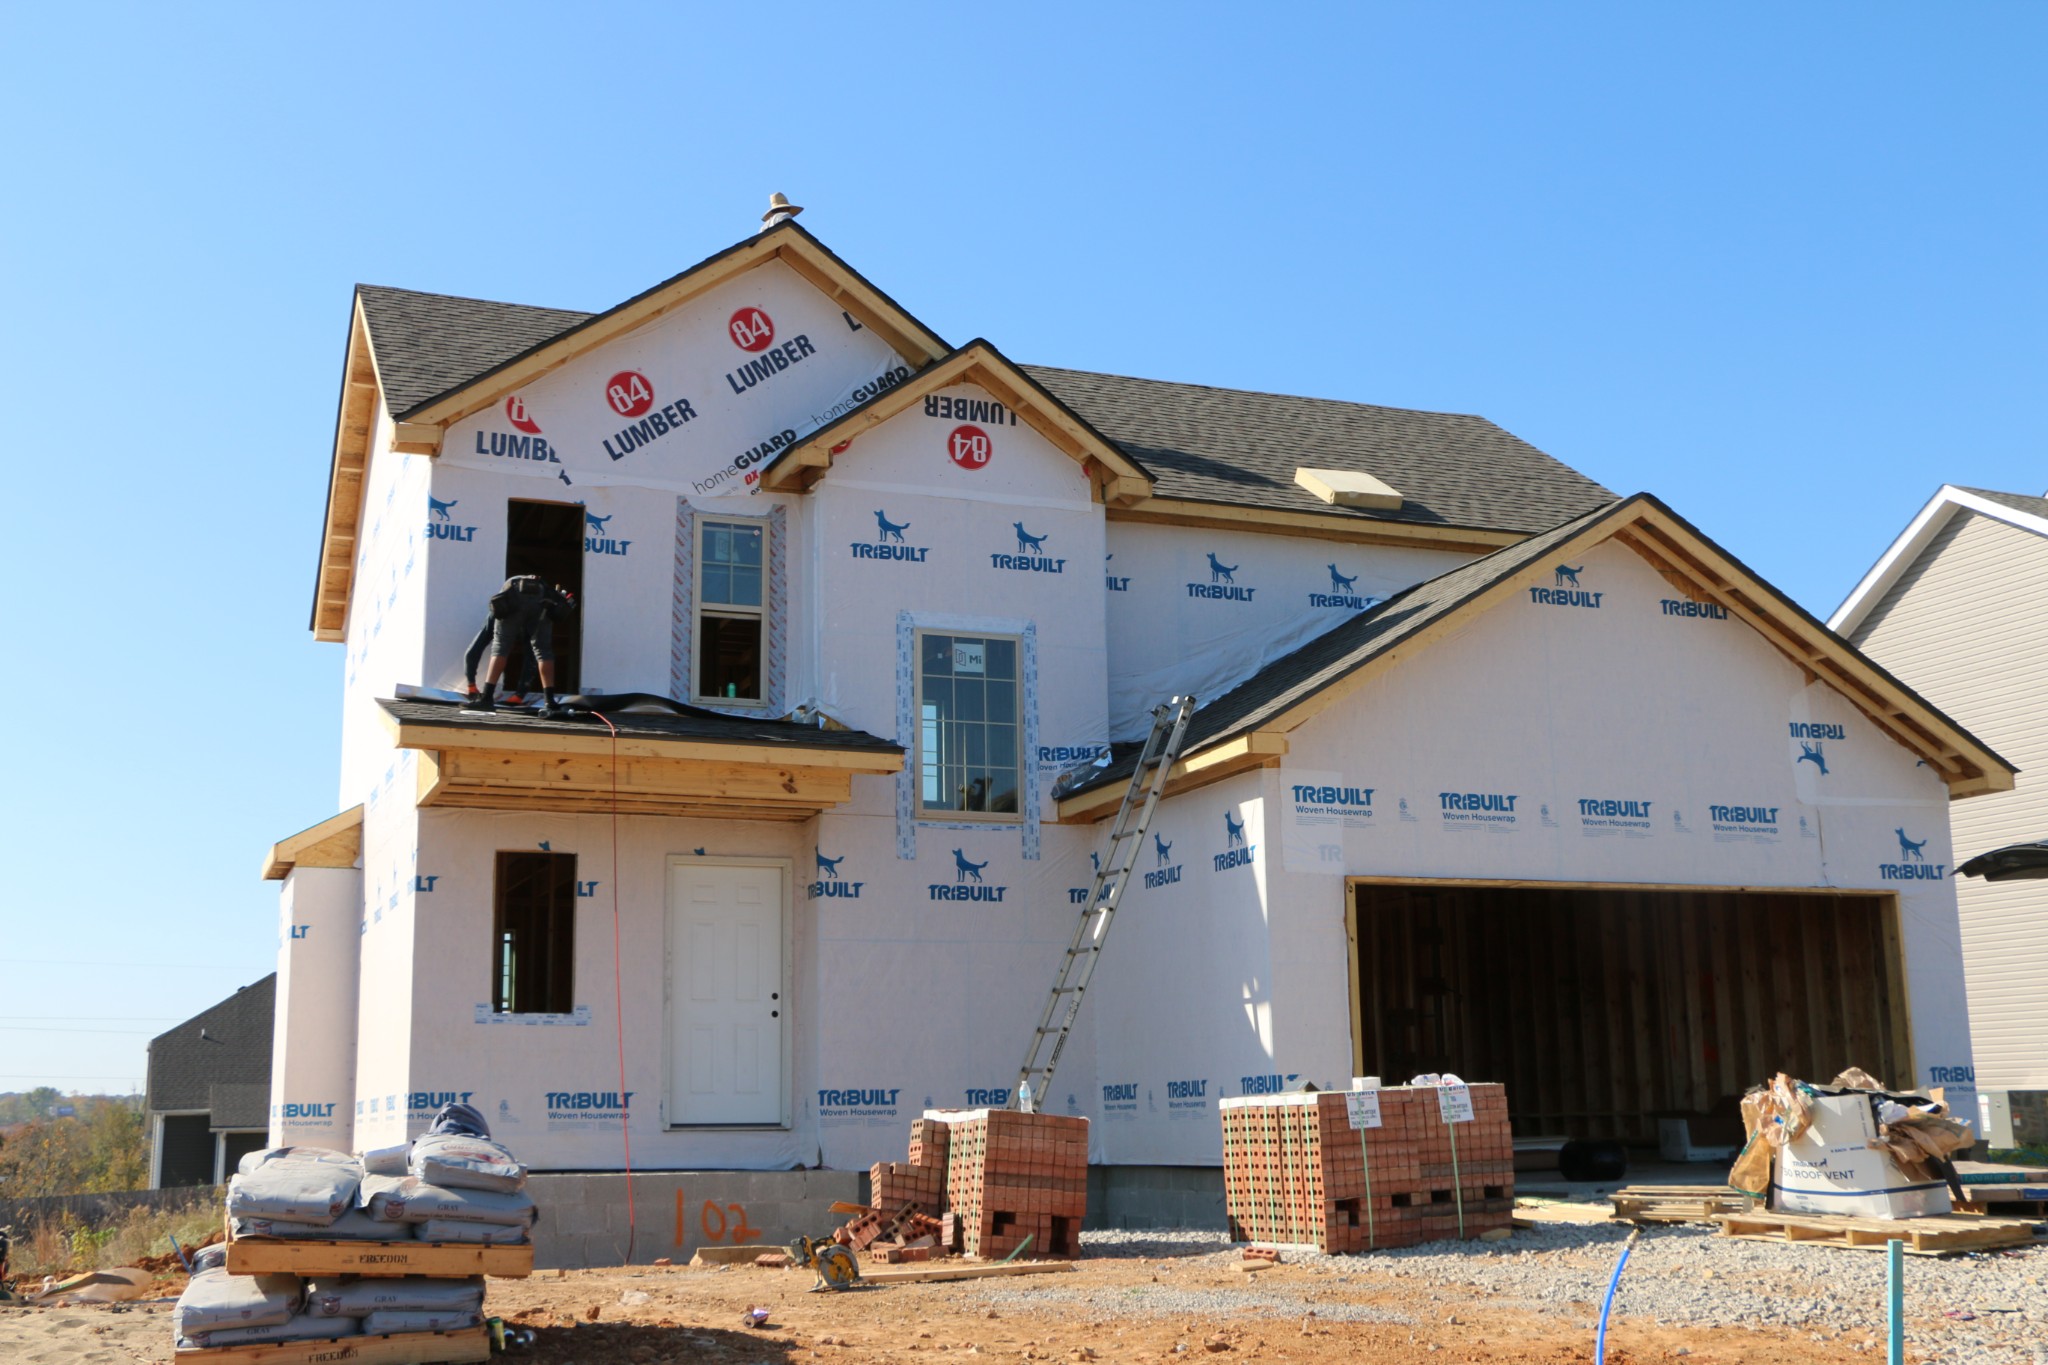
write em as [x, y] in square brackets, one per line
[1225, 446]
[698, 725]
[1242, 448]
[185, 1069]
[2018, 502]
[1350, 646]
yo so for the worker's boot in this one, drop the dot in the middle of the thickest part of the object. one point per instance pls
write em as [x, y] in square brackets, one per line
[486, 700]
[548, 710]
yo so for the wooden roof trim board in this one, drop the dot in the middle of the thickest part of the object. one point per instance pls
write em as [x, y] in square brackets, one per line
[528, 780]
[1904, 551]
[355, 418]
[336, 841]
[1336, 524]
[421, 427]
[1677, 551]
[455, 735]
[1117, 479]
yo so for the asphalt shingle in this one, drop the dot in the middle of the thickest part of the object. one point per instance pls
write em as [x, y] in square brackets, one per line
[225, 1045]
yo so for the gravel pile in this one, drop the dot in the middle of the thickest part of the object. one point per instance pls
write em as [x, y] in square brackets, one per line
[1983, 1309]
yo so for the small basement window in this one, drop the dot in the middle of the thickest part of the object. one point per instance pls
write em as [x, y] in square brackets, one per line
[533, 940]
[731, 616]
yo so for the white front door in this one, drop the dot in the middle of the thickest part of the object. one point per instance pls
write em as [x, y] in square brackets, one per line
[728, 1017]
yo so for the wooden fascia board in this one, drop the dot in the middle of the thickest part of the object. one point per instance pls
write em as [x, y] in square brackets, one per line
[432, 737]
[866, 303]
[362, 394]
[1258, 749]
[1320, 526]
[335, 842]
[494, 779]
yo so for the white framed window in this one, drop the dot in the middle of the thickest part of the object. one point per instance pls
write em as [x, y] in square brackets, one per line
[731, 612]
[970, 731]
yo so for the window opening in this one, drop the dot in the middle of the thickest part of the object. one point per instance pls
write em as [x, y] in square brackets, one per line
[533, 940]
[968, 724]
[546, 539]
[731, 618]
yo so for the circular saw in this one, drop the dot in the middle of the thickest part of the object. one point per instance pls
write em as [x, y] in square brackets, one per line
[835, 1265]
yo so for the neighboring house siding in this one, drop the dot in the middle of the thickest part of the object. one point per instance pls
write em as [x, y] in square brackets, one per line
[1965, 626]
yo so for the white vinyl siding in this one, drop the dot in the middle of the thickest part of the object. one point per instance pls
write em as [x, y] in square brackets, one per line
[1966, 626]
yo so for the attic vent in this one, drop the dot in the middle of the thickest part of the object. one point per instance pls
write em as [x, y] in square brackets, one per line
[1348, 488]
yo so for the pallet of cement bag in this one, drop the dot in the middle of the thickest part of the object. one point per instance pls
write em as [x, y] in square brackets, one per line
[445, 1260]
[1677, 1203]
[403, 1348]
[1942, 1234]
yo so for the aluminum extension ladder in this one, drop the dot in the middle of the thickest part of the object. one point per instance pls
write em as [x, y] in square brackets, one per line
[1126, 842]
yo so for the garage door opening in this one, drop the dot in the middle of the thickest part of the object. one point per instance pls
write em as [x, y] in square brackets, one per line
[1604, 1009]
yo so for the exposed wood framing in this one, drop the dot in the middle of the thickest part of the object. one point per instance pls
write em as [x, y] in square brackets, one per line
[1260, 749]
[425, 426]
[1331, 525]
[335, 842]
[497, 779]
[361, 399]
[1114, 479]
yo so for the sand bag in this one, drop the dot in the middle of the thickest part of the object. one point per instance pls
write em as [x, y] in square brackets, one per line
[292, 1188]
[458, 1161]
[412, 1200]
[336, 1298]
[301, 1328]
[215, 1299]
[387, 1160]
[490, 1234]
[353, 1226]
[439, 1320]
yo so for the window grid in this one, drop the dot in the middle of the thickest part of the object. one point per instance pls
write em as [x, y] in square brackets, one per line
[731, 612]
[970, 727]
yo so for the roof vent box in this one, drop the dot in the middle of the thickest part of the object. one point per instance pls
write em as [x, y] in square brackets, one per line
[1348, 488]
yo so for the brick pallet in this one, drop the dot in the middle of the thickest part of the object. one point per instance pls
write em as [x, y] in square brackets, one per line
[1011, 1175]
[1295, 1171]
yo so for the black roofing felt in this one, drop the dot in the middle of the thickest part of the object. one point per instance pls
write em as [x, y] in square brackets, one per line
[185, 1068]
[1226, 446]
[2018, 502]
[709, 727]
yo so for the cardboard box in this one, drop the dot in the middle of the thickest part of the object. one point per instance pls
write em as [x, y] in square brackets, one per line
[1835, 1166]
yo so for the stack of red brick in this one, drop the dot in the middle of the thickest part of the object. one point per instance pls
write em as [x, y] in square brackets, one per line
[1011, 1176]
[1294, 1170]
[921, 1180]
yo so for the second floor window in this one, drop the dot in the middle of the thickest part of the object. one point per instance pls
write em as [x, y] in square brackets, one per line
[969, 732]
[732, 558]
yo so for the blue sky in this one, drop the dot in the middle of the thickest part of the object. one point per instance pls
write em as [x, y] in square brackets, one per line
[1780, 265]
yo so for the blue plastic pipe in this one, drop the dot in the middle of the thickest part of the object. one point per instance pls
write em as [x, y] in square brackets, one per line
[1895, 1305]
[1607, 1304]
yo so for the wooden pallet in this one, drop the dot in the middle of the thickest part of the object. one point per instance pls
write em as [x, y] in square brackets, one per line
[452, 1260]
[1678, 1203]
[1939, 1235]
[401, 1348]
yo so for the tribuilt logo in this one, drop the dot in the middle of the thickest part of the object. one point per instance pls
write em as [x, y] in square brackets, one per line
[1313, 800]
[1951, 1075]
[1612, 808]
[858, 1099]
[1698, 611]
[631, 395]
[587, 1101]
[889, 542]
[1764, 818]
[986, 1099]
[303, 1111]
[1222, 585]
[1811, 738]
[1343, 593]
[1236, 852]
[1274, 1084]
[1167, 871]
[588, 889]
[1068, 755]
[1187, 1094]
[1489, 807]
[425, 883]
[830, 882]
[1114, 582]
[1566, 592]
[441, 523]
[1120, 1096]
[1912, 865]
[1030, 556]
[434, 1099]
[967, 883]
[597, 542]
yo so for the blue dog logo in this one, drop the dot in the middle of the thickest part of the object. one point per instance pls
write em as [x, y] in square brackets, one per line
[1567, 576]
[828, 866]
[1164, 847]
[1026, 542]
[891, 530]
[964, 870]
[1810, 753]
[1219, 572]
[1909, 849]
[439, 508]
[1233, 829]
[597, 522]
[1339, 583]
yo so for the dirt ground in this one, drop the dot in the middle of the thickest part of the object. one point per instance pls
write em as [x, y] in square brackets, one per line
[594, 1317]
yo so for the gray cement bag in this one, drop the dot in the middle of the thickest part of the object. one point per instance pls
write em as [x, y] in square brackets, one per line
[297, 1329]
[293, 1188]
[491, 1234]
[215, 1299]
[458, 1161]
[412, 1200]
[442, 1320]
[353, 1298]
[387, 1160]
[251, 1160]
[353, 1226]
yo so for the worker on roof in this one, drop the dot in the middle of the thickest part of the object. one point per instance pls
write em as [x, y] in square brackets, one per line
[523, 616]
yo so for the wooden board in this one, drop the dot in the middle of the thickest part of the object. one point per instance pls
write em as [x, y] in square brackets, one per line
[454, 1260]
[401, 1348]
[966, 1272]
[1677, 1203]
[1940, 1235]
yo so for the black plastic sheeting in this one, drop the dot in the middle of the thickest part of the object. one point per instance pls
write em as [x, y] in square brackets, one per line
[2013, 863]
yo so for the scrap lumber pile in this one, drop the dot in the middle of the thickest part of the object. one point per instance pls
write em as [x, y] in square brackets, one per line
[986, 1182]
[1296, 1172]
